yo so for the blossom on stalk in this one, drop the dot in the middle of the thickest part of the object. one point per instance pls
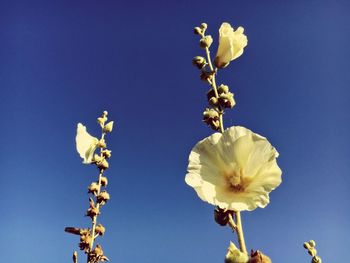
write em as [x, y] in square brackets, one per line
[234, 170]
[231, 45]
[85, 143]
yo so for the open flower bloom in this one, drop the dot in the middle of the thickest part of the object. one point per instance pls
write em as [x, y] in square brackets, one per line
[235, 170]
[85, 143]
[231, 45]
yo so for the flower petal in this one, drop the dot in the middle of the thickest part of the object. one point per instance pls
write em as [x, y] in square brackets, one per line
[85, 144]
[239, 155]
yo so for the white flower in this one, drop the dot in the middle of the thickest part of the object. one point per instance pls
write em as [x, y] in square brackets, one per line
[231, 45]
[85, 143]
[235, 170]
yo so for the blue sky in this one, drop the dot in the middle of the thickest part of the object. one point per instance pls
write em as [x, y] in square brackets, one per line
[64, 62]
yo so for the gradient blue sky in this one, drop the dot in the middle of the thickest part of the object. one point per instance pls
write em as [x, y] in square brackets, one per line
[63, 62]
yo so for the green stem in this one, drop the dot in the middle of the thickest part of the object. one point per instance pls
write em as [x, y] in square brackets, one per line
[240, 233]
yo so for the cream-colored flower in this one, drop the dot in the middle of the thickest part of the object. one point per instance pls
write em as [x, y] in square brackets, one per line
[231, 45]
[85, 144]
[235, 170]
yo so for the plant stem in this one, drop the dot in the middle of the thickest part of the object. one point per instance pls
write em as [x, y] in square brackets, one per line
[240, 233]
[94, 220]
[238, 225]
[214, 86]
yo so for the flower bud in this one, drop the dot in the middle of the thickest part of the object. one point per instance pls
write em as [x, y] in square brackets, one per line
[206, 75]
[221, 216]
[316, 259]
[92, 211]
[101, 121]
[104, 181]
[234, 255]
[100, 230]
[107, 153]
[204, 26]
[206, 41]
[226, 100]
[103, 164]
[223, 89]
[93, 188]
[199, 62]
[197, 30]
[97, 158]
[211, 117]
[108, 127]
[213, 101]
[258, 257]
[101, 143]
[103, 197]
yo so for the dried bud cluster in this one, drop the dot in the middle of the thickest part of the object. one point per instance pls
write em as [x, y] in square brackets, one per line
[99, 196]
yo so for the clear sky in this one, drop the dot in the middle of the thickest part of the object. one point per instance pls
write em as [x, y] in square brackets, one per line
[64, 62]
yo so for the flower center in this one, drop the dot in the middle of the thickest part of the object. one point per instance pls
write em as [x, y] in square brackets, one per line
[234, 180]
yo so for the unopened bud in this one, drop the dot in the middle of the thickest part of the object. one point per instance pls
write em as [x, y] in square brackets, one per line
[103, 197]
[206, 75]
[97, 158]
[197, 30]
[107, 153]
[213, 101]
[93, 188]
[103, 164]
[206, 41]
[108, 127]
[221, 216]
[100, 230]
[223, 89]
[234, 255]
[199, 62]
[204, 26]
[226, 100]
[104, 181]
[101, 143]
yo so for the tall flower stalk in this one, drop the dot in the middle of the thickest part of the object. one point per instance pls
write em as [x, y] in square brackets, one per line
[234, 169]
[86, 146]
